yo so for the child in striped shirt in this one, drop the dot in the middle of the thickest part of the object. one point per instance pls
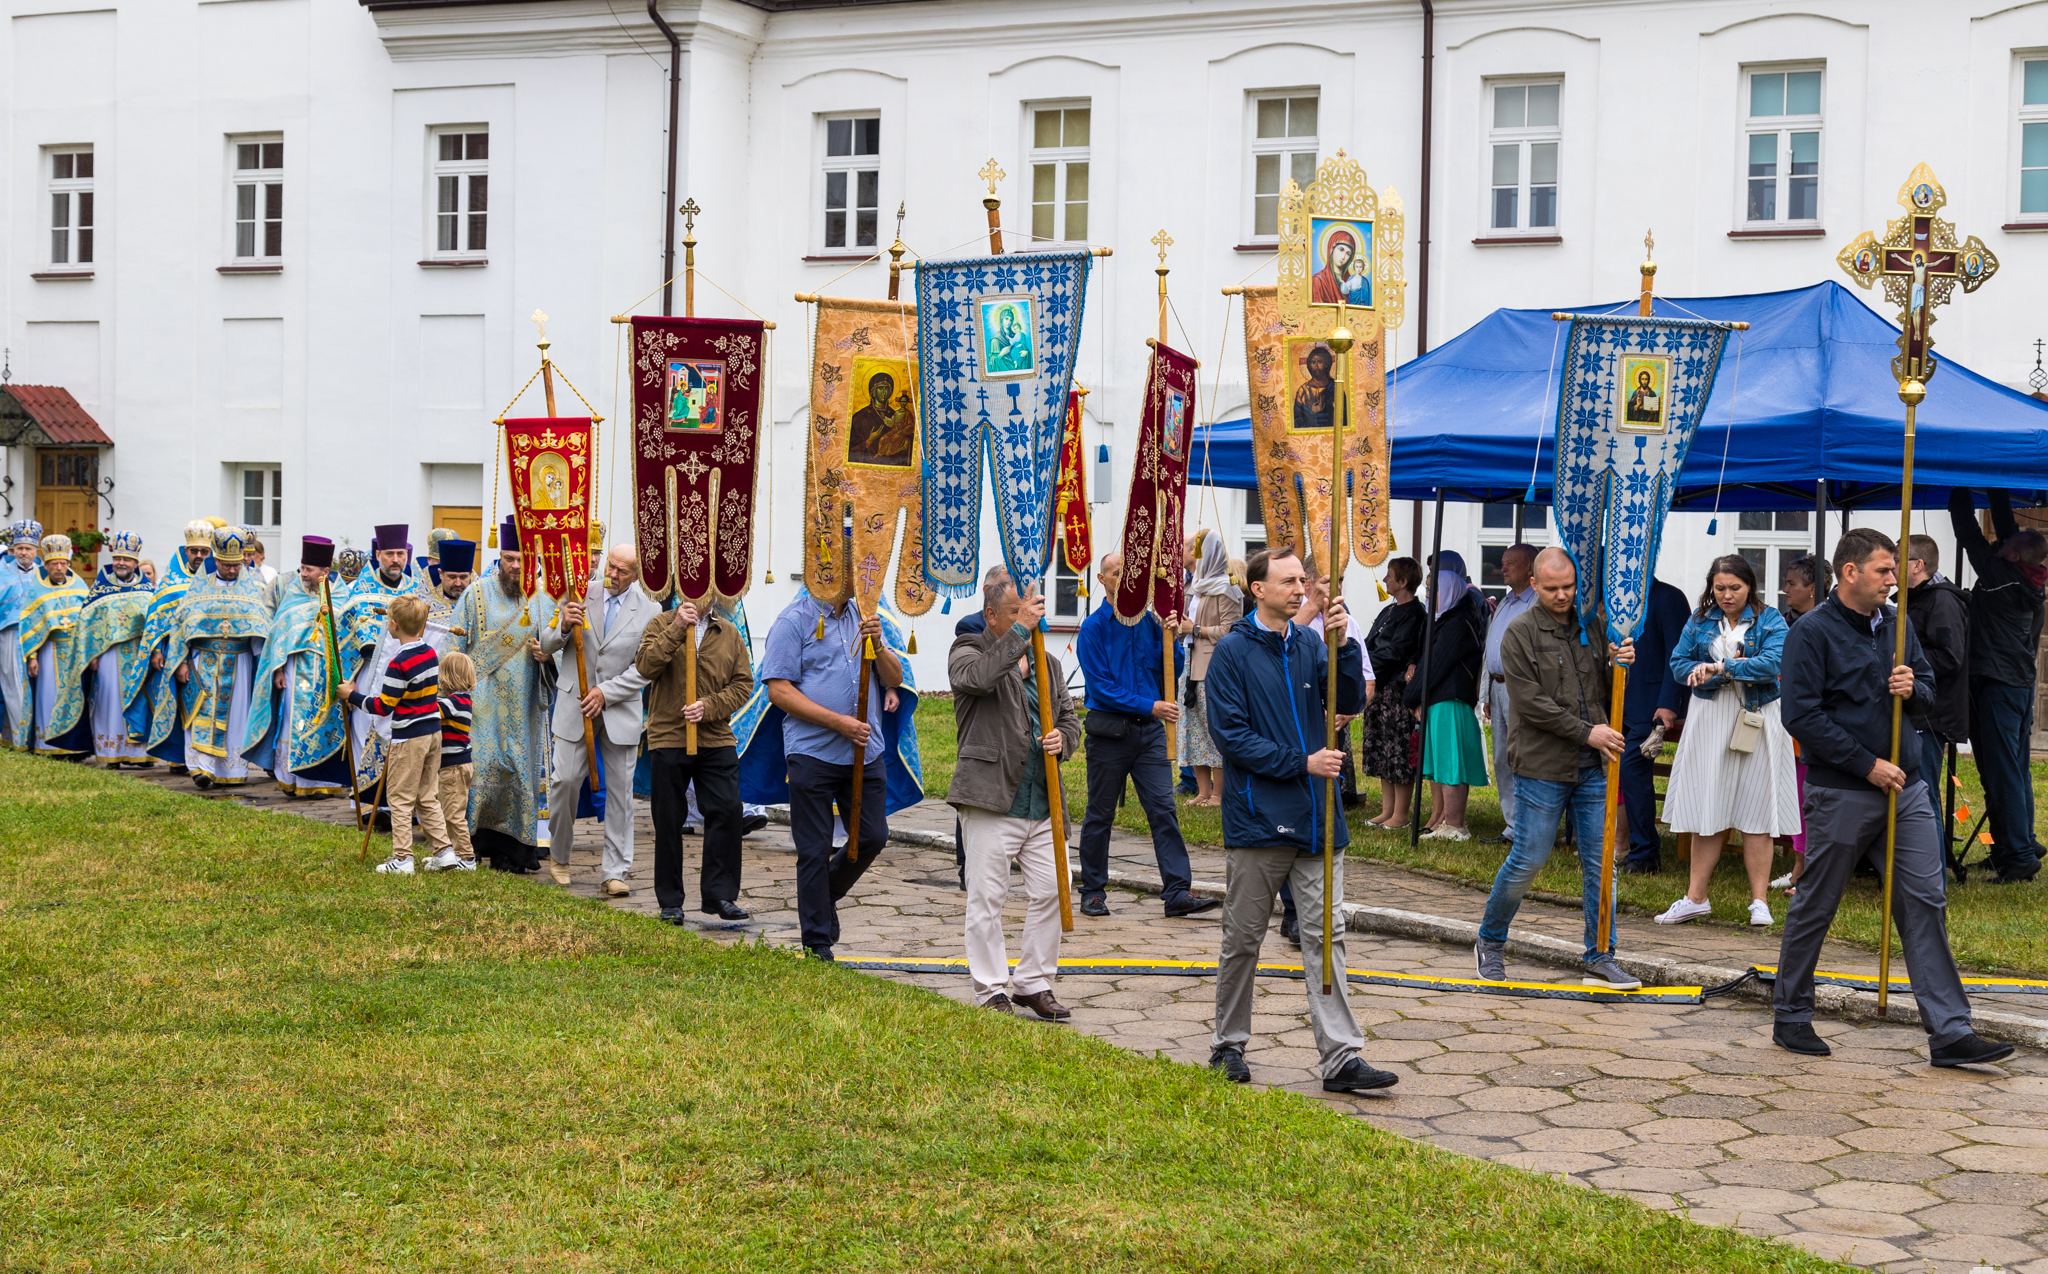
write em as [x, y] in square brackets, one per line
[411, 697]
[458, 678]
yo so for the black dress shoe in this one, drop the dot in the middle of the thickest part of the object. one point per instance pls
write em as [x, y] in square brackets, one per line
[753, 823]
[1971, 1050]
[1094, 905]
[1639, 869]
[1798, 1037]
[724, 910]
[819, 953]
[1355, 1076]
[1189, 905]
[1229, 1059]
[2018, 877]
[1290, 927]
[672, 916]
[998, 1002]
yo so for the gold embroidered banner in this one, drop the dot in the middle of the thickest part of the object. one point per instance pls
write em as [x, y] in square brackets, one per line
[862, 463]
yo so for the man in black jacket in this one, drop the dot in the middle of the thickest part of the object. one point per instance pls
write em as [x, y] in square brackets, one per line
[1940, 615]
[1839, 682]
[1654, 697]
[2005, 634]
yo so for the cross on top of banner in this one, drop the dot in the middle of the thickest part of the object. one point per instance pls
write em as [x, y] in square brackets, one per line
[1920, 263]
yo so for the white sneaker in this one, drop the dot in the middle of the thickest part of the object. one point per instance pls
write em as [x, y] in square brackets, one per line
[444, 859]
[465, 864]
[1759, 912]
[1783, 882]
[396, 866]
[1683, 910]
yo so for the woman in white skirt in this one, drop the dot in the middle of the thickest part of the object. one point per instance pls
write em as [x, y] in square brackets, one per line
[1734, 769]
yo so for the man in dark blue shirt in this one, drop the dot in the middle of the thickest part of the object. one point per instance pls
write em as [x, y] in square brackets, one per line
[1126, 739]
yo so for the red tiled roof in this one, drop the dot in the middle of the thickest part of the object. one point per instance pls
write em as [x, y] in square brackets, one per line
[58, 414]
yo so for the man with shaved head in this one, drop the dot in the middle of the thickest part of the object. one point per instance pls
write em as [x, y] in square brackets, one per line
[1558, 745]
[617, 615]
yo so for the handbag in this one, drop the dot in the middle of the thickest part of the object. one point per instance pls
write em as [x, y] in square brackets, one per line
[1748, 731]
[1102, 724]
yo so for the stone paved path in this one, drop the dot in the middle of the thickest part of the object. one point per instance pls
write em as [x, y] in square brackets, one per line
[1870, 1156]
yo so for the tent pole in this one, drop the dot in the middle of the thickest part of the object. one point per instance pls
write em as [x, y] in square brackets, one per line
[1428, 639]
[1821, 573]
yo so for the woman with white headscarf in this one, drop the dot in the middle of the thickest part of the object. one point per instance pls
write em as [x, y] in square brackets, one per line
[1217, 604]
[1453, 751]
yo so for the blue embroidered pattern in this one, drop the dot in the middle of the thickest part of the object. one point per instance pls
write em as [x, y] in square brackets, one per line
[1020, 416]
[1614, 486]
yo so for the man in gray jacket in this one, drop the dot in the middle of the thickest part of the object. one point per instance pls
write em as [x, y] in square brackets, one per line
[999, 788]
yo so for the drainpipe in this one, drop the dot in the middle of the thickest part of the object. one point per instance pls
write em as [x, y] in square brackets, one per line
[1428, 87]
[668, 194]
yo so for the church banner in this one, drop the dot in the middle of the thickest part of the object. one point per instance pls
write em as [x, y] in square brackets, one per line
[1154, 517]
[552, 460]
[1628, 405]
[1070, 502]
[697, 386]
[861, 468]
[996, 343]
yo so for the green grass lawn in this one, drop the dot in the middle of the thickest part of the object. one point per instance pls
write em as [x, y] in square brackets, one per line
[1992, 927]
[228, 1047]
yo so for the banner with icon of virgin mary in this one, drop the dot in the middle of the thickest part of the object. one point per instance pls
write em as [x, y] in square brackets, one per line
[996, 343]
[696, 433]
[1154, 517]
[551, 460]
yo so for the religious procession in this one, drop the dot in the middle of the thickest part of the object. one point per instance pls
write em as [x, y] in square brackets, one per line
[1585, 836]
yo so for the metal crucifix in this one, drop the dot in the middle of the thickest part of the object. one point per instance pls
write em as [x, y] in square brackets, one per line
[1920, 263]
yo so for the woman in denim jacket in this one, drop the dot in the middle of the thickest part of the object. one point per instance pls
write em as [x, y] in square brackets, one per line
[1729, 654]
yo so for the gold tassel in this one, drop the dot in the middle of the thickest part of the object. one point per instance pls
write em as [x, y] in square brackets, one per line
[526, 615]
[491, 541]
[768, 576]
[911, 648]
[820, 636]
[1381, 585]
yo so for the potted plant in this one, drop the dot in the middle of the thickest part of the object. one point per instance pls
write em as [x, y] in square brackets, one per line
[86, 544]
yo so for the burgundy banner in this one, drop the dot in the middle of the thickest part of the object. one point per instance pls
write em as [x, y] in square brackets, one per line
[696, 432]
[1070, 496]
[552, 461]
[1154, 527]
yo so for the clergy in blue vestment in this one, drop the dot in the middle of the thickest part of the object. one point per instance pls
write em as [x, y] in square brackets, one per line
[496, 627]
[298, 714]
[18, 576]
[49, 652]
[222, 624]
[156, 699]
[109, 644]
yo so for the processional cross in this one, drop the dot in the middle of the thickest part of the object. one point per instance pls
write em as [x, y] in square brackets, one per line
[1920, 263]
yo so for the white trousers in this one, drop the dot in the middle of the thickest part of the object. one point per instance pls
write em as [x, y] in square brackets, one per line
[110, 740]
[992, 842]
[231, 768]
[571, 772]
[10, 683]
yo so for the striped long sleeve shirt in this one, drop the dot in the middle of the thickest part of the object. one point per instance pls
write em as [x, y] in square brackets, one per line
[411, 695]
[455, 729]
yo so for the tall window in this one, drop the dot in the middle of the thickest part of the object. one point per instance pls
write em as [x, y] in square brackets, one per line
[1522, 156]
[1772, 542]
[263, 497]
[70, 206]
[462, 189]
[1059, 174]
[1781, 149]
[259, 200]
[2034, 139]
[1283, 149]
[853, 180]
[1497, 532]
[1066, 590]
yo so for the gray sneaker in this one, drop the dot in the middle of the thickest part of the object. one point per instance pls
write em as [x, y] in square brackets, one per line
[1493, 965]
[1608, 975]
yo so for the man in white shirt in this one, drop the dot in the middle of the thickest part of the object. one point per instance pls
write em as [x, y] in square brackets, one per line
[1516, 564]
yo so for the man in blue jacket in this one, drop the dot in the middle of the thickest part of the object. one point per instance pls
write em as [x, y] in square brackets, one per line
[1265, 692]
[1839, 682]
[1654, 697]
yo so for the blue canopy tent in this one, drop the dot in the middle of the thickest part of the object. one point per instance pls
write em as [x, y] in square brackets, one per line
[1808, 388]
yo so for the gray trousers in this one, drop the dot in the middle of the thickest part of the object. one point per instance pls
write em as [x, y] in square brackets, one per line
[1842, 828]
[10, 684]
[572, 769]
[1497, 728]
[1253, 876]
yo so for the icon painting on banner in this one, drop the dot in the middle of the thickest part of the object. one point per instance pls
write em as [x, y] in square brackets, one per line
[1008, 347]
[1644, 378]
[1340, 262]
[696, 396]
[1311, 382]
[1175, 432]
[884, 425]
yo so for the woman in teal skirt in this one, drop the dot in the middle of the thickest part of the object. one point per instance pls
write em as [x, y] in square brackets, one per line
[1453, 752]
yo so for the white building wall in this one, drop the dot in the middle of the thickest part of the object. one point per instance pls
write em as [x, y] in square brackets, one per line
[372, 380]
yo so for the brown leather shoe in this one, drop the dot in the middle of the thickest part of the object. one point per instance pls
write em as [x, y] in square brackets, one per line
[615, 888]
[560, 871]
[1043, 1006]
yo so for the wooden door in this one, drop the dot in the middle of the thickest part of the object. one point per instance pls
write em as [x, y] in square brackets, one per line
[466, 520]
[67, 496]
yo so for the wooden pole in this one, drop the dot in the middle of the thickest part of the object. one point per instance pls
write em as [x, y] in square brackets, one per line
[690, 211]
[1168, 683]
[582, 582]
[860, 754]
[348, 742]
[376, 799]
[1911, 392]
[991, 174]
[1340, 345]
[1056, 796]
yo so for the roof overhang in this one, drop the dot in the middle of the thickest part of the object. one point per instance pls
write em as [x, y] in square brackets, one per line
[46, 416]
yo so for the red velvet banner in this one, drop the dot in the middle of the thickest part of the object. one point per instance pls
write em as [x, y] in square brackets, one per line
[1070, 496]
[696, 433]
[1154, 526]
[551, 460]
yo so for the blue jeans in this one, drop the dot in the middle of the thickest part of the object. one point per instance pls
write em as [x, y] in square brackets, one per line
[2001, 724]
[1540, 803]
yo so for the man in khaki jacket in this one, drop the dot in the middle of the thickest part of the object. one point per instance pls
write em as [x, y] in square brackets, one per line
[1000, 790]
[725, 680]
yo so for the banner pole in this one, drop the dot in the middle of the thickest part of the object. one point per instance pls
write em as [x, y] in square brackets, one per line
[582, 583]
[348, 741]
[1911, 392]
[1340, 345]
[1168, 683]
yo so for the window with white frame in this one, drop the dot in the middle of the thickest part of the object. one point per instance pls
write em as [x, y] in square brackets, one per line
[2034, 140]
[258, 198]
[1283, 149]
[853, 181]
[462, 190]
[1067, 594]
[1772, 542]
[71, 201]
[262, 497]
[1781, 148]
[1497, 531]
[1522, 147]
[1059, 173]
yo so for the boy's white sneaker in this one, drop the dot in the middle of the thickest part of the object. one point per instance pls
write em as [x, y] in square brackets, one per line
[1683, 910]
[444, 859]
[396, 866]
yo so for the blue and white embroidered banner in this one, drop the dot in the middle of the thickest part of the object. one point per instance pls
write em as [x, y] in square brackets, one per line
[1629, 404]
[996, 339]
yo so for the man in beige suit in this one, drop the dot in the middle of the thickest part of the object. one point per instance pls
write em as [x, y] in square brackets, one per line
[618, 614]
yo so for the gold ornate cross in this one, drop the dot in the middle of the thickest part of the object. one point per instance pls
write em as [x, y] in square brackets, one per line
[1162, 241]
[991, 174]
[1920, 263]
[1649, 245]
[540, 321]
[689, 211]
